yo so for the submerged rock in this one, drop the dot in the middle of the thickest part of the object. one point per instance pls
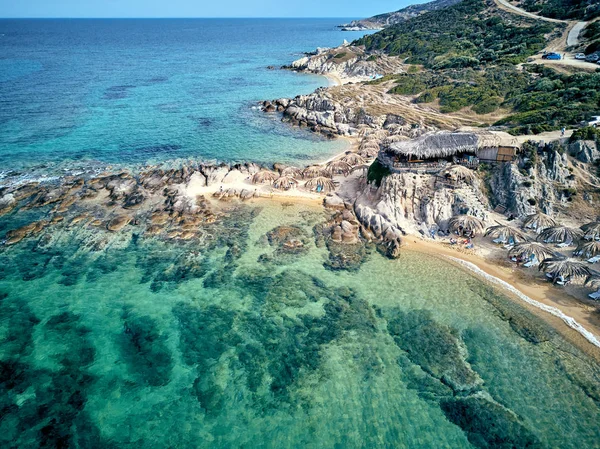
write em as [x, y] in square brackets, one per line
[118, 223]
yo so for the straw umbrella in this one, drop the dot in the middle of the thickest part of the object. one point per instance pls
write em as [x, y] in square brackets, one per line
[339, 167]
[354, 159]
[566, 268]
[591, 230]
[395, 129]
[588, 249]
[285, 183]
[315, 171]
[538, 221]
[506, 233]
[560, 234]
[264, 176]
[462, 223]
[294, 172]
[594, 280]
[528, 249]
[325, 184]
[460, 173]
[369, 151]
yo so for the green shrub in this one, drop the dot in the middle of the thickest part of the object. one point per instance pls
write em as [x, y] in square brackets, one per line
[377, 172]
[585, 133]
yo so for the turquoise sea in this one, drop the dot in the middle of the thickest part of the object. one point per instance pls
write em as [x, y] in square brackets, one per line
[232, 338]
[138, 91]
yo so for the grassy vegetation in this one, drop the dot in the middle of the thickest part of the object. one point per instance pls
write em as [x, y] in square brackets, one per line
[460, 36]
[540, 98]
[552, 100]
[592, 34]
[585, 133]
[564, 9]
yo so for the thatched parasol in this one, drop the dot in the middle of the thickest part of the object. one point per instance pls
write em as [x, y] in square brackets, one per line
[369, 144]
[354, 159]
[538, 221]
[594, 280]
[528, 249]
[460, 173]
[339, 167]
[394, 138]
[591, 230]
[567, 268]
[315, 171]
[264, 176]
[395, 129]
[321, 184]
[506, 233]
[588, 249]
[560, 234]
[369, 152]
[294, 172]
[363, 130]
[463, 223]
[285, 183]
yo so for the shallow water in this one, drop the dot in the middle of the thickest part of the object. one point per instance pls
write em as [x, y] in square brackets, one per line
[154, 344]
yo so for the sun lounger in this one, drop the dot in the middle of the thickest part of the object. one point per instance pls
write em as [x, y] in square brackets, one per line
[508, 246]
[563, 245]
[531, 263]
[595, 296]
[499, 241]
[594, 259]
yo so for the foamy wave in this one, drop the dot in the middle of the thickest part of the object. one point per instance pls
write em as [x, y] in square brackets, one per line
[570, 321]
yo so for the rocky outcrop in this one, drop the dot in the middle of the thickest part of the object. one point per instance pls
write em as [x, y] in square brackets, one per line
[585, 151]
[525, 187]
[414, 203]
[348, 63]
[384, 20]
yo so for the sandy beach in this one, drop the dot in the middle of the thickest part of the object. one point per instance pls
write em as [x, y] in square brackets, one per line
[539, 291]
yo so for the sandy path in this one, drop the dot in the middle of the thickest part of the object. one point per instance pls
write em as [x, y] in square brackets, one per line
[505, 5]
[573, 37]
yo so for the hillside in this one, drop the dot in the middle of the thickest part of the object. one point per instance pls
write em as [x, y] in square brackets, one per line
[468, 56]
[562, 9]
[384, 20]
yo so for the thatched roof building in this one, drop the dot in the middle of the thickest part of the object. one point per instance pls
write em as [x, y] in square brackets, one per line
[443, 144]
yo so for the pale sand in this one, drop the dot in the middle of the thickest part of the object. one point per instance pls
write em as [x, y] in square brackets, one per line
[554, 305]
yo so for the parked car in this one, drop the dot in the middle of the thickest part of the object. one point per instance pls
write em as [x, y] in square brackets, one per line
[580, 56]
[595, 121]
[551, 56]
[594, 57]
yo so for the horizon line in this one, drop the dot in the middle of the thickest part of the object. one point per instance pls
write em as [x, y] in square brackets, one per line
[166, 18]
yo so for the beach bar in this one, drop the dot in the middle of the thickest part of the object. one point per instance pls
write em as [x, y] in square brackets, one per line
[437, 149]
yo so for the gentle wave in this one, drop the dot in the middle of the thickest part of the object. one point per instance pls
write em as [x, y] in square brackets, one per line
[570, 321]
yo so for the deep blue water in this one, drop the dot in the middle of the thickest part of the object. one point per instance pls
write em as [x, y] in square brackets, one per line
[136, 91]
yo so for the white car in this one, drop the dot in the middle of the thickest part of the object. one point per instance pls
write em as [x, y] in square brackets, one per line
[580, 56]
[595, 121]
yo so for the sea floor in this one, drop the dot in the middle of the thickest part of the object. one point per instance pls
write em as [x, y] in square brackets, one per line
[236, 341]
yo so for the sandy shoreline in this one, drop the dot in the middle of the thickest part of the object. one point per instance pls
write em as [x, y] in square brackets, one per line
[574, 320]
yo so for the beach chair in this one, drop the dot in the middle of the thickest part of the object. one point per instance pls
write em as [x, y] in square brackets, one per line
[564, 244]
[531, 263]
[594, 259]
[562, 281]
[499, 241]
[595, 296]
